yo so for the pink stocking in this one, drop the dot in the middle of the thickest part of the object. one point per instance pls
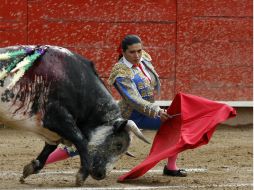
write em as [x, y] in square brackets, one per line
[57, 155]
[171, 165]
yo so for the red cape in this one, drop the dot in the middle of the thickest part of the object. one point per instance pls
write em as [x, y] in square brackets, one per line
[194, 127]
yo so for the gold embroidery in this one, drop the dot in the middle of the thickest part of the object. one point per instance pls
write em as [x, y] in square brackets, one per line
[140, 85]
[143, 93]
[136, 91]
[146, 56]
[119, 70]
[69, 149]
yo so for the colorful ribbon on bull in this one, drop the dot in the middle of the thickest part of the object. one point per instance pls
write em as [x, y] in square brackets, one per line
[23, 60]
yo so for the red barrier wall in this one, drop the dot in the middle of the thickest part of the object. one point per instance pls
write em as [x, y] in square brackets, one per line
[202, 47]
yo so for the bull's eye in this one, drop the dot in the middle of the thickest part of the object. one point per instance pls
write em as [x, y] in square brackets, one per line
[119, 147]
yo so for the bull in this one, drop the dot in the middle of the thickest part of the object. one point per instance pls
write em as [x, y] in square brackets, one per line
[58, 95]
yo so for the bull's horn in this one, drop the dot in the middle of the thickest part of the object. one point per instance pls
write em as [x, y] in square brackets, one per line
[130, 154]
[133, 127]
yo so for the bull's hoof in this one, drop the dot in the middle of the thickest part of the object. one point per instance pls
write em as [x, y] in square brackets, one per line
[22, 180]
[30, 169]
[79, 179]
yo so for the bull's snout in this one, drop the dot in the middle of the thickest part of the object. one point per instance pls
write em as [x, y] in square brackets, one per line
[98, 174]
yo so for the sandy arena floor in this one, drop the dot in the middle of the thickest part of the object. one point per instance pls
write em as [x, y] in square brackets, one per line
[225, 163]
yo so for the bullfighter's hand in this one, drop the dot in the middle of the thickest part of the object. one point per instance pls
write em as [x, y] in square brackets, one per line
[163, 115]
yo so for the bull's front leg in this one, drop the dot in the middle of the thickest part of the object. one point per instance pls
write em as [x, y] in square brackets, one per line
[36, 165]
[58, 119]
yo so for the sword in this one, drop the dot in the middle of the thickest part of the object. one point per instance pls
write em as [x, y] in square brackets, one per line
[174, 115]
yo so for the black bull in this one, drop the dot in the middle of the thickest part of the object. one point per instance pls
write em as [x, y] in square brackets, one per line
[57, 94]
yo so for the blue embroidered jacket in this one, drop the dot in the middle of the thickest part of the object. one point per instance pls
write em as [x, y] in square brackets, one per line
[136, 90]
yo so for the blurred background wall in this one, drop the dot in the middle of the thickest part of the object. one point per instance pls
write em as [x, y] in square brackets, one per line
[202, 47]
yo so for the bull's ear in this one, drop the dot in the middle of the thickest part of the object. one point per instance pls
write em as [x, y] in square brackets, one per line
[119, 124]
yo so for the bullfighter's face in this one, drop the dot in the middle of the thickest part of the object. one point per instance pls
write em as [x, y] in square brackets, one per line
[133, 53]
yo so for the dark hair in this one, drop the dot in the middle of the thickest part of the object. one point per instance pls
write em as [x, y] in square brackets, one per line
[128, 41]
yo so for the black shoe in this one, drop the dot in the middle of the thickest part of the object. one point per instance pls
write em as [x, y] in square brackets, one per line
[176, 173]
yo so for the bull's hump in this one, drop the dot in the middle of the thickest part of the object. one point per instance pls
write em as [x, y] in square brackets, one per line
[60, 49]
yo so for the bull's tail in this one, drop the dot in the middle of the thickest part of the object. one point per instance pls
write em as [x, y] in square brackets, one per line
[23, 59]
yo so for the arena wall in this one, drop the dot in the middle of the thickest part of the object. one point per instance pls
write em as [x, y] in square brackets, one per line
[202, 47]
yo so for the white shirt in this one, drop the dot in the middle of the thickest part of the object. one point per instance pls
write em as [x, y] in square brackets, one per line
[129, 64]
